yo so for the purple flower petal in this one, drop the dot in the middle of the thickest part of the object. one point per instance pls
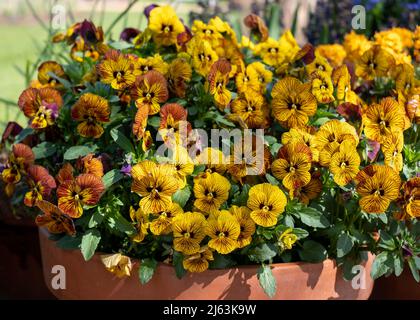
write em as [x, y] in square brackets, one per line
[128, 34]
[126, 169]
[148, 9]
[372, 149]
[54, 109]
[407, 251]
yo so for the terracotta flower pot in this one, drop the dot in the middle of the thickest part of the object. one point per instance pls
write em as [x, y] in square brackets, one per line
[21, 273]
[90, 280]
[7, 216]
[403, 287]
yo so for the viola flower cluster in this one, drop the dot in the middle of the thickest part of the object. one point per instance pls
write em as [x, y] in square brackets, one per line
[340, 144]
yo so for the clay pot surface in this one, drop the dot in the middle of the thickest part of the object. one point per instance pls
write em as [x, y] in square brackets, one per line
[403, 287]
[295, 281]
[21, 273]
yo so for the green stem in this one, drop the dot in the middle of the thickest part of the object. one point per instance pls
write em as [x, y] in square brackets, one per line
[120, 16]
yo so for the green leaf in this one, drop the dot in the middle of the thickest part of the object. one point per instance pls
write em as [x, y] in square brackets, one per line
[344, 244]
[121, 45]
[67, 84]
[300, 233]
[198, 169]
[178, 264]
[112, 177]
[242, 197]
[44, 150]
[270, 139]
[274, 22]
[271, 179]
[380, 265]
[263, 252]
[69, 243]
[221, 261]
[289, 221]
[221, 120]
[267, 280]
[311, 217]
[417, 261]
[398, 264]
[96, 218]
[78, 151]
[121, 140]
[313, 252]
[117, 221]
[383, 217]
[181, 196]
[414, 269]
[154, 121]
[24, 134]
[147, 269]
[90, 241]
[386, 241]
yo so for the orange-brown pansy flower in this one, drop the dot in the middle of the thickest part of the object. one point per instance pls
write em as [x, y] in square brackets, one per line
[322, 87]
[329, 137]
[334, 53]
[247, 81]
[165, 25]
[92, 165]
[44, 73]
[377, 186]
[41, 106]
[147, 142]
[342, 81]
[40, 184]
[65, 173]
[149, 91]
[250, 111]
[203, 56]
[218, 79]
[91, 111]
[292, 165]
[309, 191]
[117, 70]
[117, 264]
[405, 81]
[247, 160]
[179, 74]
[392, 148]
[155, 185]
[19, 159]
[302, 135]
[141, 221]
[162, 224]
[380, 120]
[54, 219]
[319, 65]
[257, 26]
[140, 122]
[375, 62]
[410, 199]
[173, 123]
[155, 62]
[344, 164]
[293, 103]
[72, 195]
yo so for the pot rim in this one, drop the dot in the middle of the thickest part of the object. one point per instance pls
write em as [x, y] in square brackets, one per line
[329, 261]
